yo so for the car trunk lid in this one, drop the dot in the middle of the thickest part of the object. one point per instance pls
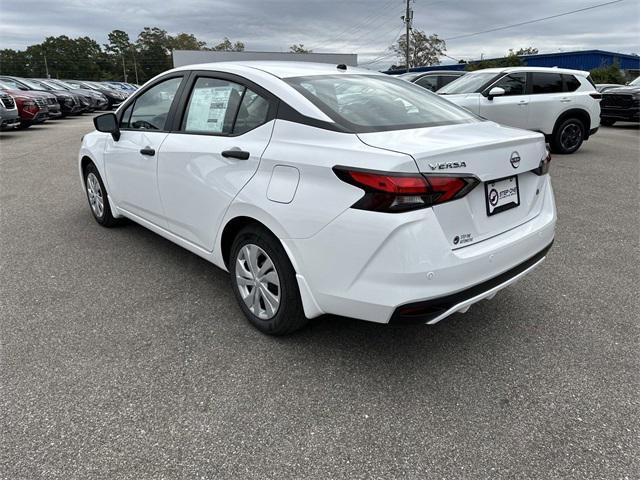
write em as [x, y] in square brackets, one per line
[484, 150]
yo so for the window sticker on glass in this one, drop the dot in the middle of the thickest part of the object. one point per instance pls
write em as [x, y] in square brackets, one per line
[208, 109]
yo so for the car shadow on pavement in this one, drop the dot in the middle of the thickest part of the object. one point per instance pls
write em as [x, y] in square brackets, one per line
[488, 326]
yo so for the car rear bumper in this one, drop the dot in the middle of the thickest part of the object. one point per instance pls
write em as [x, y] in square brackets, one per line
[365, 266]
[432, 311]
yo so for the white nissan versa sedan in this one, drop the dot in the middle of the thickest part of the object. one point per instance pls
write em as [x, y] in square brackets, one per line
[325, 189]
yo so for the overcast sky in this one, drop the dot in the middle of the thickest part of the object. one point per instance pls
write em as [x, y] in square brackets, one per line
[365, 27]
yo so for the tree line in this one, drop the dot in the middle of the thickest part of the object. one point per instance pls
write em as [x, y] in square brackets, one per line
[84, 58]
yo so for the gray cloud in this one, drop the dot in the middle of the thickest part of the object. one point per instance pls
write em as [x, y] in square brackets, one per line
[366, 27]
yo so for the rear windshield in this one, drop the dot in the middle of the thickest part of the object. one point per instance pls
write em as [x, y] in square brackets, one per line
[372, 103]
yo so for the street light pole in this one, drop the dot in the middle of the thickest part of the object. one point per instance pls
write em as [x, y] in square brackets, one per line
[135, 64]
[46, 66]
[124, 70]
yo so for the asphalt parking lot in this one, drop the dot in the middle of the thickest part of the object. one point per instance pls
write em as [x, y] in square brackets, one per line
[123, 356]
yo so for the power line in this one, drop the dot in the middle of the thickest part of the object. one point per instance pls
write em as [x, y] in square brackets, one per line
[367, 20]
[467, 35]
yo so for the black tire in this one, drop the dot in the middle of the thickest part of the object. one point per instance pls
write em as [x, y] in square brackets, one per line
[103, 216]
[607, 122]
[568, 136]
[24, 125]
[289, 314]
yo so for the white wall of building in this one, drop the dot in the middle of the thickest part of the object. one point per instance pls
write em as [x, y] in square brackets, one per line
[190, 57]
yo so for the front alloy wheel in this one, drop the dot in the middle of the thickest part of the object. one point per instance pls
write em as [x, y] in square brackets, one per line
[94, 193]
[97, 197]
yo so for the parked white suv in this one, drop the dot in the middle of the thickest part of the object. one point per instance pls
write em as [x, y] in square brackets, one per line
[325, 189]
[563, 104]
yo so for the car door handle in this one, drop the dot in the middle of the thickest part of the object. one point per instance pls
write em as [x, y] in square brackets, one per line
[148, 151]
[565, 100]
[233, 153]
[523, 102]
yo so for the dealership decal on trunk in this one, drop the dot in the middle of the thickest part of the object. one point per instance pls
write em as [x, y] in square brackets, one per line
[444, 166]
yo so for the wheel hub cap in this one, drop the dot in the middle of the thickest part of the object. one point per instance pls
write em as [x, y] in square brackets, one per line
[570, 136]
[258, 281]
[95, 195]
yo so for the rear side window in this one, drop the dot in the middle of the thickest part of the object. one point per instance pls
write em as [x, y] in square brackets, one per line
[428, 82]
[546, 83]
[252, 113]
[151, 109]
[571, 82]
[513, 84]
[221, 107]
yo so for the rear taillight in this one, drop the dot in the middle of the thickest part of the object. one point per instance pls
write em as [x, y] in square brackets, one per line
[543, 168]
[596, 95]
[400, 192]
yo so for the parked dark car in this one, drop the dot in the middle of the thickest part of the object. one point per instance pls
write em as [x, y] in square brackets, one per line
[621, 104]
[94, 100]
[115, 98]
[9, 116]
[603, 87]
[69, 101]
[53, 107]
[32, 106]
[433, 80]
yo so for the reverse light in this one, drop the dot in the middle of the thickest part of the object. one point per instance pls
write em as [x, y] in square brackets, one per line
[545, 163]
[401, 192]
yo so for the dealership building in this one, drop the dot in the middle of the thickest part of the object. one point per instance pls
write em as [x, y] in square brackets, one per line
[579, 60]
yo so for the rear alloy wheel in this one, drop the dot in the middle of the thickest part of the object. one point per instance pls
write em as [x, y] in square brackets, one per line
[568, 136]
[97, 197]
[264, 282]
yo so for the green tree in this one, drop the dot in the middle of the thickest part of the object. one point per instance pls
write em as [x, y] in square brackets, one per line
[511, 60]
[227, 46]
[154, 52]
[423, 49]
[608, 74]
[187, 41]
[527, 51]
[119, 50]
[299, 48]
[13, 62]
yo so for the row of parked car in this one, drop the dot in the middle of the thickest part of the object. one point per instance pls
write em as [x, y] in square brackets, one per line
[28, 101]
[528, 85]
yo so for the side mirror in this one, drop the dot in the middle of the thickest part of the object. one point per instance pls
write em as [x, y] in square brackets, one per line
[495, 92]
[107, 123]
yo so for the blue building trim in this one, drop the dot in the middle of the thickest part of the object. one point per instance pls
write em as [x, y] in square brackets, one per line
[579, 60]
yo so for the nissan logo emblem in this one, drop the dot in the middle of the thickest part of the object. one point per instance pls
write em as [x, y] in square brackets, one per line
[515, 160]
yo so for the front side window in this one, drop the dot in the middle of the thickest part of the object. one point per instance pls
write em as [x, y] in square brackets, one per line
[513, 84]
[369, 103]
[546, 83]
[151, 109]
[221, 107]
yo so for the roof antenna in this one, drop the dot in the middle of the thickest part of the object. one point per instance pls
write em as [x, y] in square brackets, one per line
[341, 66]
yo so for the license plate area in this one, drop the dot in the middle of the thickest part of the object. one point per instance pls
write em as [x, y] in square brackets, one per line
[502, 194]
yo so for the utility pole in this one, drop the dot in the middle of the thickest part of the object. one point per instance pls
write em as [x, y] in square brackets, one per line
[135, 64]
[408, 17]
[124, 70]
[46, 66]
